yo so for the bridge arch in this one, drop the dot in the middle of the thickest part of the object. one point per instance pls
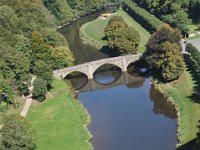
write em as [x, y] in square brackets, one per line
[90, 67]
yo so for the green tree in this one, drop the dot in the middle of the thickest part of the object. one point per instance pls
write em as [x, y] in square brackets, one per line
[164, 53]
[6, 91]
[173, 65]
[154, 53]
[123, 39]
[43, 71]
[195, 10]
[17, 134]
[39, 89]
[114, 24]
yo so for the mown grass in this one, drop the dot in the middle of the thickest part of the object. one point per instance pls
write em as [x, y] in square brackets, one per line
[194, 37]
[60, 121]
[180, 93]
[93, 32]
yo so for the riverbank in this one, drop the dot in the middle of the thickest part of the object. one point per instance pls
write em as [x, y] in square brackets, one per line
[60, 121]
[180, 94]
[93, 32]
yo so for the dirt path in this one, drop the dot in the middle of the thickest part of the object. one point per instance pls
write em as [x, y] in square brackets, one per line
[28, 99]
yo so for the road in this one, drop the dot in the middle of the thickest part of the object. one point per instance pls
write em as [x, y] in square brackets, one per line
[196, 43]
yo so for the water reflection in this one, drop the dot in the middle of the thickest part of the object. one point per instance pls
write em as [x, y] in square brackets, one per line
[107, 74]
[122, 119]
[78, 80]
[121, 111]
[82, 52]
[161, 106]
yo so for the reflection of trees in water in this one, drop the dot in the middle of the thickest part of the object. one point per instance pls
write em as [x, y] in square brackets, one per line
[138, 82]
[161, 106]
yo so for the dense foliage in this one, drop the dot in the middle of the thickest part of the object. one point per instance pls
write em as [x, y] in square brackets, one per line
[194, 54]
[39, 89]
[16, 134]
[175, 12]
[28, 37]
[148, 21]
[164, 53]
[121, 38]
[66, 10]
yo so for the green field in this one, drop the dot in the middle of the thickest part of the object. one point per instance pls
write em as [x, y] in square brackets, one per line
[180, 93]
[93, 32]
[60, 121]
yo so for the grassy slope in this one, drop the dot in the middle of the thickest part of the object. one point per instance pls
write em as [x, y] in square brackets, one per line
[93, 32]
[180, 93]
[60, 121]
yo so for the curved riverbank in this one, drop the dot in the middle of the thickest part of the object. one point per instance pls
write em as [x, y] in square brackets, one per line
[60, 121]
[92, 32]
[188, 112]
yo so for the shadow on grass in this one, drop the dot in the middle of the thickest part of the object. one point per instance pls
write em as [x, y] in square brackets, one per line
[196, 78]
[109, 51]
[192, 145]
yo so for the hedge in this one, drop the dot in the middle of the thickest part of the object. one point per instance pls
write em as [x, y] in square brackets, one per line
[194, 55]
[147, 20]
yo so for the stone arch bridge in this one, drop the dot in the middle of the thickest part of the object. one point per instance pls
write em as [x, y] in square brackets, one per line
[89, 68]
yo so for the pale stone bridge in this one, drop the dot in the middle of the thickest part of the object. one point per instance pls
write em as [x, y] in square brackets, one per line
[89, 68]
[124, 79]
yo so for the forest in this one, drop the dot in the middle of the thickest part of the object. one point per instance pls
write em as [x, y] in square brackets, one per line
[30, 44]
[178, 13]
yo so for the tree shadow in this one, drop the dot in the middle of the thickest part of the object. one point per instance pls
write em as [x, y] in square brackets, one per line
[195, 97]
[109, 51]
[192, 145]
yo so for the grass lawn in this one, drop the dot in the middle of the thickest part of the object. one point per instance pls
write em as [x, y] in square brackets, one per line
[194, 37]
[93, 32]
[193, 27]
[60, 121]
[181, 93]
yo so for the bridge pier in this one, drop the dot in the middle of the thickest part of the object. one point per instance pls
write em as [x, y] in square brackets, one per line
[90, 67]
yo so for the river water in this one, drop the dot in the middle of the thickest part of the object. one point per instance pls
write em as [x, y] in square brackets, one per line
[127, 113]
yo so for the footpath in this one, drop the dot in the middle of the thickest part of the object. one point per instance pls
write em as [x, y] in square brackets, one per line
[28, 99]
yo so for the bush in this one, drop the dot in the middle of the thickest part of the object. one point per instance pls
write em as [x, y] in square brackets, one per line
[39, 89]
[16, 134]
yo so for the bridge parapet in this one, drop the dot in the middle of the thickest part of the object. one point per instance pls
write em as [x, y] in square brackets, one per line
[90, 67]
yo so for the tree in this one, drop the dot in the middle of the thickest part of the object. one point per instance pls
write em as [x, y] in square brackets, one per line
[195, 11]
[43, 71]
[6, 91]
[154, 54]
[173, 65]
[123, 39]
[39, 89]
[164, 53]
[17, 134]
[114, 24]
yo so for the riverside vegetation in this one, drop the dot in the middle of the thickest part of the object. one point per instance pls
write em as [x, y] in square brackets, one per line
[164, 54]
[30, 45]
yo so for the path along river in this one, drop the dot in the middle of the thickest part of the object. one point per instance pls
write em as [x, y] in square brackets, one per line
[129, 115]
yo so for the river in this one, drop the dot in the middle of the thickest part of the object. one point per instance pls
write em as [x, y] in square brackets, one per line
[127, 113]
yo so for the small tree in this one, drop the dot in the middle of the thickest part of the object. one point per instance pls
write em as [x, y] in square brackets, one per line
[6, 92]
[17, 134]
[39, 89]
[172, 65]
[123, 39]
[43, 71]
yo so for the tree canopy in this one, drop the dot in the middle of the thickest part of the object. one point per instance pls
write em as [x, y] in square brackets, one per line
[123, 39]
[17, 134]
[164, 53]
